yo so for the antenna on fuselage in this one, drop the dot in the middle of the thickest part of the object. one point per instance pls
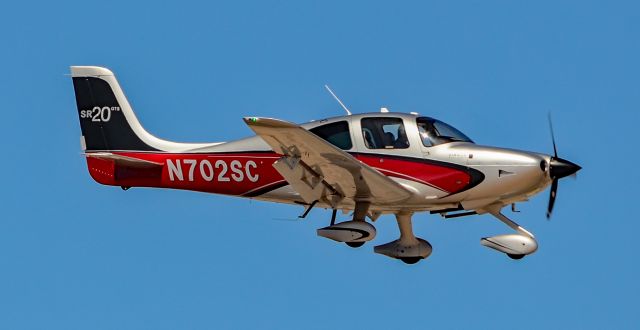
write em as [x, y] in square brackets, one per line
[337, 99]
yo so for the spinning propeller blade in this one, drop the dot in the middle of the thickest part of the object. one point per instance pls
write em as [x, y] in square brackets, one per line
[558, 169]
[553, 137]
[552, 198]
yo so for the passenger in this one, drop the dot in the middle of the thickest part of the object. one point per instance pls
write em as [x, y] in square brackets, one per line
[389, 140]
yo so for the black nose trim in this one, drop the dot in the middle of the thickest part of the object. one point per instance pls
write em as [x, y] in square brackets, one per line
[560, 168]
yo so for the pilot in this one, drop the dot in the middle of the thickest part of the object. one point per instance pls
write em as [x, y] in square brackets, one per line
[402, 141]
[425, 136]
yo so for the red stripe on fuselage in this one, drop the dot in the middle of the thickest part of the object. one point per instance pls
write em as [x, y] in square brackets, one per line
[242, 173]
[443, 177]
[229, 173]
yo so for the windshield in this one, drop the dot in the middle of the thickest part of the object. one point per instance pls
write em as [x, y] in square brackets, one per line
[434, 132]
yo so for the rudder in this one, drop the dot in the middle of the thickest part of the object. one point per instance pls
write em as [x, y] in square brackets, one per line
[106, 118]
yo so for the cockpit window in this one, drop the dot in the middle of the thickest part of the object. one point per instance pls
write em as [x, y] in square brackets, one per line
[434, 132]
[384, 133]
[335, 133]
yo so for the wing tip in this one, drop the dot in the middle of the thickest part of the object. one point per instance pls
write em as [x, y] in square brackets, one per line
[268, 122]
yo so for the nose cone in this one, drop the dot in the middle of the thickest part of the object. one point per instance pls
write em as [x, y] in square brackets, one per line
[560, 168]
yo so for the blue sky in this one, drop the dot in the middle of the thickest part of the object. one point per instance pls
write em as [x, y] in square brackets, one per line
[77, 255]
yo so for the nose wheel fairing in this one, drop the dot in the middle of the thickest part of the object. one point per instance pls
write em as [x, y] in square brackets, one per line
[511, 244]
[517, 245]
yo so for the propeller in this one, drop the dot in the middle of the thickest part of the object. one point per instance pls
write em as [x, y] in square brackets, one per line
[558, 169]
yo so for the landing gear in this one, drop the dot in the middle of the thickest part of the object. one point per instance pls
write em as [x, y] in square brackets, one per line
[355, 232]
[354, 244]
[410, 260]
[515, 246]
[408, 248]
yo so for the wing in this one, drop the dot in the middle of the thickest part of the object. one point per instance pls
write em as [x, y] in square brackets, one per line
[318, 170]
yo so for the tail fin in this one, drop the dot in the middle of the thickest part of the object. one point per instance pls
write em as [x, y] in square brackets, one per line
[106, 118]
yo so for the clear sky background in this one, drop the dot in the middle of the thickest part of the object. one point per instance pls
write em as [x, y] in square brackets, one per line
[77, 255]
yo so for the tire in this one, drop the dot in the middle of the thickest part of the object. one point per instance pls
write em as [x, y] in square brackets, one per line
[355, 244]
[515, 256]
[410, 260]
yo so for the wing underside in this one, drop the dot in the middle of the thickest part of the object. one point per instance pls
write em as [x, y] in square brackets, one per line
[319, 171]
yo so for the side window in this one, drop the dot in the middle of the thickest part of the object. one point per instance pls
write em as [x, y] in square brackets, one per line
[384, 133]
[426, 132]
[335, 133]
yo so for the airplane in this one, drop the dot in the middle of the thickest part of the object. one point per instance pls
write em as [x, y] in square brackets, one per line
[366, 164]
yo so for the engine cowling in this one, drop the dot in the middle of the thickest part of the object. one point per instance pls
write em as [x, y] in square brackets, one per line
[511, 244]
[349, 231]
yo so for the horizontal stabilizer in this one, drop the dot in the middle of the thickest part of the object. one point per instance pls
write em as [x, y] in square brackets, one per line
[125, 161]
